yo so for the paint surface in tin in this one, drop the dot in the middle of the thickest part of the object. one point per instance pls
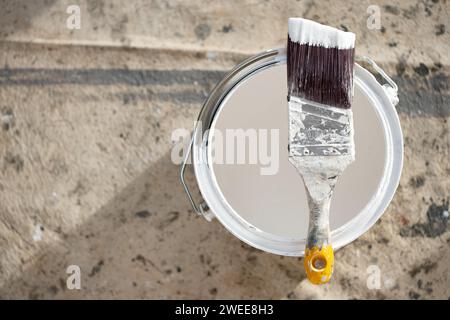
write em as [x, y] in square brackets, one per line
[277, 203]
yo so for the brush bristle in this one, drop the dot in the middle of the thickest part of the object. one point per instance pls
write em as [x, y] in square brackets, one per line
[321, 72]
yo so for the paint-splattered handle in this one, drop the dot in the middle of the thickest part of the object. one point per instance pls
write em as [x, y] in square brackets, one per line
[319, 256]
[319, 263]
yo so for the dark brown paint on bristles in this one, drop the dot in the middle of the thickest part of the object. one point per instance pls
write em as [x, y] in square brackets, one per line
[319, 74]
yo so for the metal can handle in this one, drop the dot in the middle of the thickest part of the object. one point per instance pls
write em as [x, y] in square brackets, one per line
[391, 87]
[201, 208]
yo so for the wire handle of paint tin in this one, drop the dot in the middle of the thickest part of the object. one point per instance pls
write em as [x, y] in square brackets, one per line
[391, 87]
[201, 208]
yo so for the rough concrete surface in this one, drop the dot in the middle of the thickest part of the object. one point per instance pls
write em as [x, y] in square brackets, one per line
[86, 179]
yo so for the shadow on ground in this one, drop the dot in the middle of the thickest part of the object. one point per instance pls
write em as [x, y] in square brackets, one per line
[147, 243]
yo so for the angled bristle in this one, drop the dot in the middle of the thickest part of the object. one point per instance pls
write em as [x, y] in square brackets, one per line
[321, 72]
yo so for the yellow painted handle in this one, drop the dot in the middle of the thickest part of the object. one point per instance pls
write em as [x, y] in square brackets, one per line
[319, 264]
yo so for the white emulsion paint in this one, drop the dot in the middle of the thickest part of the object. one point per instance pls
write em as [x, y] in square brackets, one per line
[309, 32]
[277, 203]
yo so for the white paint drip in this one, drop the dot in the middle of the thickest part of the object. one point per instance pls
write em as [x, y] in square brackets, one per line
[305, 31]
[37, 234]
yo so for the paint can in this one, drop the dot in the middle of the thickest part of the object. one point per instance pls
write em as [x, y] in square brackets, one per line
[269, 211]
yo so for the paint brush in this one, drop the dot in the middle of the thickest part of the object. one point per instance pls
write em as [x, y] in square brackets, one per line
[320, 63]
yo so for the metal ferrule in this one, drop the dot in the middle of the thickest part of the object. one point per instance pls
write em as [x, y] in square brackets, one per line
[318, 130]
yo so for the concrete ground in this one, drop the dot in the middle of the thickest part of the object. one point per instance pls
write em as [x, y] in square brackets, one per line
[85, 173]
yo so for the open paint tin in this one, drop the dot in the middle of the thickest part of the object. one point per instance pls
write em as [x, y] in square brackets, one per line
[270, 211]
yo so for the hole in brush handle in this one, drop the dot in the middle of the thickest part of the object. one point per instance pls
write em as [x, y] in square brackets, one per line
[319, 264]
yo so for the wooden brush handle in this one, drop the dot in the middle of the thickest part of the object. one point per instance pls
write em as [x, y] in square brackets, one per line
[319, 256]
[319, 175]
